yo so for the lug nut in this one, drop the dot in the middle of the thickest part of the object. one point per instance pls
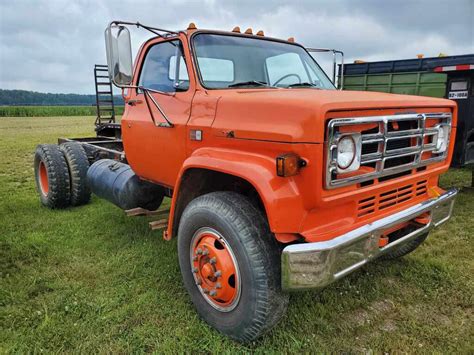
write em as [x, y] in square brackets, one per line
[218, 285]
[213, 261]
[199, 251]
[213, 293]
[205, 252]
[218, 273]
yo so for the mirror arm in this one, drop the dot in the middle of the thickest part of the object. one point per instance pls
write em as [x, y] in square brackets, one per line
[334, 52]
[153, 30]
[149, 107]
[148, 29]
[148, 97]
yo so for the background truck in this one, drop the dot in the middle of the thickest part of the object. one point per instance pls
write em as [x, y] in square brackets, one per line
[277, 181]
[450, 77]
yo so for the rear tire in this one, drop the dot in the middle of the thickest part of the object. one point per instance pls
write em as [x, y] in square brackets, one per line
[245, 305]
[78, 164]
[52, 176]
[405, 249]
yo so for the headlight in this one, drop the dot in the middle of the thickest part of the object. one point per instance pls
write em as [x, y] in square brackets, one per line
[442, 137]
[348, 153]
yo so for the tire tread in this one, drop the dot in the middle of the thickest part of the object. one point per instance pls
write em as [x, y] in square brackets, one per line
[78, 164]
[58, 176]
[405, 249]
[263, 252]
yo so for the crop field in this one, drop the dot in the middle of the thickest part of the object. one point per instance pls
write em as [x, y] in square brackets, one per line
[91, 280]
[44, 111]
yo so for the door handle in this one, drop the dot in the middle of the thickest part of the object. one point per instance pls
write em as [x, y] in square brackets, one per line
[134, 102]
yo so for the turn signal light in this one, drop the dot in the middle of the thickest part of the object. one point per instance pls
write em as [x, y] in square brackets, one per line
[289, 164]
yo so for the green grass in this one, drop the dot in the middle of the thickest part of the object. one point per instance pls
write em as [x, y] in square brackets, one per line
[48, 111]
[90, 280]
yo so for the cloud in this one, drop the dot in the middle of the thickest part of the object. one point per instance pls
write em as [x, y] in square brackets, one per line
[51, 46]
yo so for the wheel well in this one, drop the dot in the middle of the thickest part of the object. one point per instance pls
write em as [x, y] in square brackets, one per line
[197, 182]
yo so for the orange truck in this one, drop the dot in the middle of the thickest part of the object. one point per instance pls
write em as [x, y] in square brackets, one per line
[277, 181]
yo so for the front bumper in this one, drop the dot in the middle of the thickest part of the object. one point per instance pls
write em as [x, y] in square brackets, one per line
[315, 265]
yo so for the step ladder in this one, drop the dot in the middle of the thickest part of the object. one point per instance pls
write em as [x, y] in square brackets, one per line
[103, 95]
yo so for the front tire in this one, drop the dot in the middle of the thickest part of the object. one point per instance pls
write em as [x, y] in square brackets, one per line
[405, 249]
[230, 264]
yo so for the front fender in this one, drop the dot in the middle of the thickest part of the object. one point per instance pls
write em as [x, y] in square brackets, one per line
[280, 196]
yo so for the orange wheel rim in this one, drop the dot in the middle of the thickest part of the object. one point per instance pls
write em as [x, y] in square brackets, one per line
[43, 179]
[215, 269]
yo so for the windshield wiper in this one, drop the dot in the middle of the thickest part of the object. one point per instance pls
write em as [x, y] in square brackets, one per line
[305, 84]
[248, 83]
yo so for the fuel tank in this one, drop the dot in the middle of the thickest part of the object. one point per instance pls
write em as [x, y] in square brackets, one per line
[117, 183]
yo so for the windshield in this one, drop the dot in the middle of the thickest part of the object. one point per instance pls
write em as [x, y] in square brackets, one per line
[233, 61]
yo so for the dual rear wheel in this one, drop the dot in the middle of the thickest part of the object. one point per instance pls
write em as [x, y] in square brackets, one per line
[61, 175]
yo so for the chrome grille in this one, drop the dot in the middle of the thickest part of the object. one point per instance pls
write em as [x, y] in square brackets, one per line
[392, 145]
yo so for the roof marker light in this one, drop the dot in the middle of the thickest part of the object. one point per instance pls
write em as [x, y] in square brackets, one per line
[236, 29]
[260, 33]
[192, 26]
[248, 31]
[291, 39]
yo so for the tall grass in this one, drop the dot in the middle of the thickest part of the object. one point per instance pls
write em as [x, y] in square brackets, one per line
[51, 111]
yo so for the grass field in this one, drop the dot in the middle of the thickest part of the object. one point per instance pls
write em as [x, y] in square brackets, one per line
[48, 111]
[91, 280]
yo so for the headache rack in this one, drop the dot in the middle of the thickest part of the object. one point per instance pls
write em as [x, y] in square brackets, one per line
[390, 145]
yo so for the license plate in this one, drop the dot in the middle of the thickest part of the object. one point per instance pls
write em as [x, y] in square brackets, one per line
[457, 95]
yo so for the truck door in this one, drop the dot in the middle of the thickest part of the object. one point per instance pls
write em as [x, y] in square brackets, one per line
[157, 152]
[461, 89]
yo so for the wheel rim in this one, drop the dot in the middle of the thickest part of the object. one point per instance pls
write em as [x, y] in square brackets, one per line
[215, 269]
[43, 179]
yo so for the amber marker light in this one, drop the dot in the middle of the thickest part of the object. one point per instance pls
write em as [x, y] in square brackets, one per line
[289, 164]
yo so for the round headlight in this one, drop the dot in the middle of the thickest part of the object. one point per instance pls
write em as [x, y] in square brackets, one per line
[442, 139]
[346, 152]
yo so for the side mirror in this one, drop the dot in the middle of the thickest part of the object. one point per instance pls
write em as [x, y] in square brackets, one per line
[119, 54]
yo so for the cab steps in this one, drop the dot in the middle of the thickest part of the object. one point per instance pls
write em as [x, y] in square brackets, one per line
[154, 225]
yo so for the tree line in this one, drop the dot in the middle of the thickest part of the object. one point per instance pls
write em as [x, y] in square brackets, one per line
[33, 98]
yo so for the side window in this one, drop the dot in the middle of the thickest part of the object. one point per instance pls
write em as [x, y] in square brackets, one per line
[164, 68]
[178, 69]
[287, 65]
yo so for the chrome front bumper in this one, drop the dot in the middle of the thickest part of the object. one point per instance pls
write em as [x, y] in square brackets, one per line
[315, 265]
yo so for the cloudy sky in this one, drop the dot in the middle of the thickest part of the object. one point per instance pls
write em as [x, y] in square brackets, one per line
[51, 46]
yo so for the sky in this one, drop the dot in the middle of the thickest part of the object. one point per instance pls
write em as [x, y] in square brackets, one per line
[52, 46]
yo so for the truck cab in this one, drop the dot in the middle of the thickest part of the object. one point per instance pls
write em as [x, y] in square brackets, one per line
[278, 181]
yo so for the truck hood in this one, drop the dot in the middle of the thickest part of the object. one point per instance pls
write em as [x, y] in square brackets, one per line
[298, 115]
